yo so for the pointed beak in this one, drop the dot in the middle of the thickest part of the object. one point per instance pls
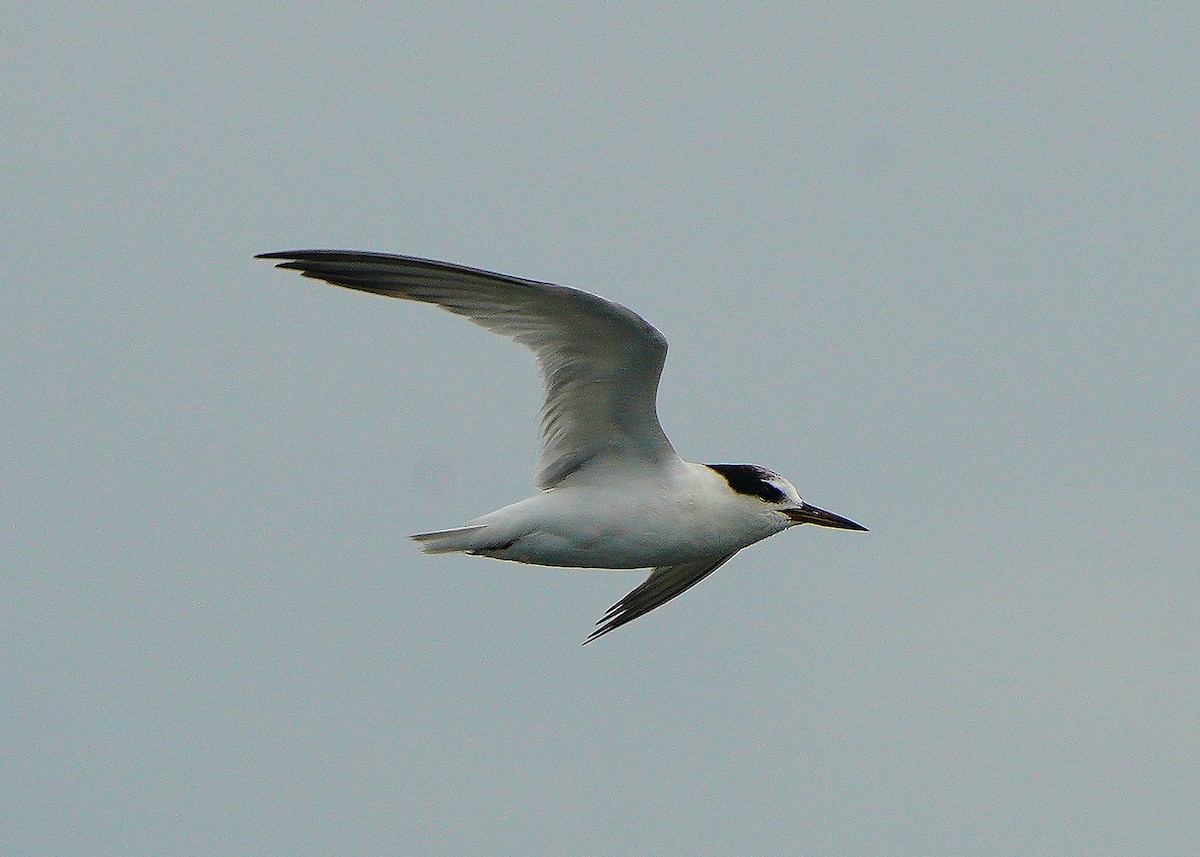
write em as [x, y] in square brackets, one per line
[808, 514]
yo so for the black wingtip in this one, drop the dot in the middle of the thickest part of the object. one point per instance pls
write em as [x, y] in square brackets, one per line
[313, 255]
[599, 632]
[614, 618]
[611, 620]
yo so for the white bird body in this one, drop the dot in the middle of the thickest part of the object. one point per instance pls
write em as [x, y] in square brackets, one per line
[682, 513]
[614, 493]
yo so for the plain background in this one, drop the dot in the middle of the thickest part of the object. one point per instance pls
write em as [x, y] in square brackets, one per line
[936, 264]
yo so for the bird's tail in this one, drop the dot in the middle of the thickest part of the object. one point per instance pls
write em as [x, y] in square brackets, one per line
[459, 539]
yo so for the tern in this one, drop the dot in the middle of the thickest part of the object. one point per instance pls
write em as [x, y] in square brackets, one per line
[613, 492]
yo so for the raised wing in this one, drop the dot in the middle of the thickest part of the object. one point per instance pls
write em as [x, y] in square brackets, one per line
[600, 362]
[663, 584]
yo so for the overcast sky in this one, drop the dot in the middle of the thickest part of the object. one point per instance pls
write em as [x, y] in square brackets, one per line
[938, 266]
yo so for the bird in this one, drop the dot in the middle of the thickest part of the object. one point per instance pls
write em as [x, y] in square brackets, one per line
[612, 492]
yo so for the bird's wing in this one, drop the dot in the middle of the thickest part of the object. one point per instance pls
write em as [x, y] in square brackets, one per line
[663, 584]
[600, 362]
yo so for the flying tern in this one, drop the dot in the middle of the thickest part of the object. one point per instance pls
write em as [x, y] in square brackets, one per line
[614, 494]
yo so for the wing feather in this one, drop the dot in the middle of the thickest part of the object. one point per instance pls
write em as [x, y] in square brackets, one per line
[600, 362]
[663, 584]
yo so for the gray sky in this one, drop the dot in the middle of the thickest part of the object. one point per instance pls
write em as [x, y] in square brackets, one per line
[938, 267]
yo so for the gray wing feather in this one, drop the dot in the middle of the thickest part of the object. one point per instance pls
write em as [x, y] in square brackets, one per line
[663, 584]
[600, 362]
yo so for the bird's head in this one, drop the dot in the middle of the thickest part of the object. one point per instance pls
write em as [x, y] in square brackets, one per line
[780, 496]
